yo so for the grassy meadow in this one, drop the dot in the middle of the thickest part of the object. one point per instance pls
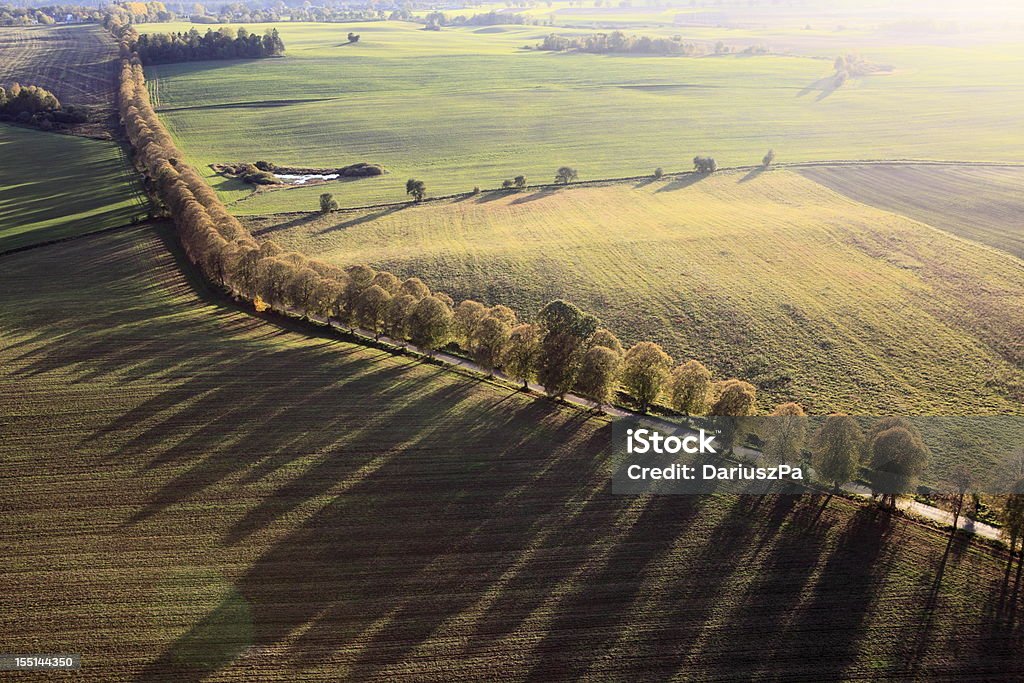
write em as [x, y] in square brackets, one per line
[203, 495]
[54, 186]
[766, 276]
[471, 106]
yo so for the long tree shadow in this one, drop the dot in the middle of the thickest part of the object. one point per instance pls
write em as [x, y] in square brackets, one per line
[681, 182]
[827, 630]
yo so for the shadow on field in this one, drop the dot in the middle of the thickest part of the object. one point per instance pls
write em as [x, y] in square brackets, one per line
[825, 634]
[752, 174]
[366, 218]
[823, 86]
[681, 182]
[296, 222]
[383, 517]
[539, 194]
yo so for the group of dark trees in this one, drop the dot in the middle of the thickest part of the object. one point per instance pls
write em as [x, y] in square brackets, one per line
[493, 18]
[28, 99]
[854, 66]
[704, 164]
[32, 105]
[164, 48]
[618, 42]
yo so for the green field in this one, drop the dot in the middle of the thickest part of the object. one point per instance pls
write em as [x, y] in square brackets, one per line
[54, 186]
[200, 493]
[765, 276]
[468, 107]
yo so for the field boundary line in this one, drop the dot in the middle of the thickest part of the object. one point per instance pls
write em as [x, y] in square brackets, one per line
[600, 182]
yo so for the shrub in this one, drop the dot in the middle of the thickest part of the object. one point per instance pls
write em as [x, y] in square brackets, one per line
[328, 203]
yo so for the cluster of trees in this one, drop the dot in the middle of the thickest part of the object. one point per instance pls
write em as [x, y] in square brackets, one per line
[853, 66]
[517, 183]
[45, 16]
[617, 41]
[139, 12]
[164, 48]
[704, 164]
[27, 99]
[492, 18]
[30, 104]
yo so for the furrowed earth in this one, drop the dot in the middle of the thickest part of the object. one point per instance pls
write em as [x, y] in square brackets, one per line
[202, 494]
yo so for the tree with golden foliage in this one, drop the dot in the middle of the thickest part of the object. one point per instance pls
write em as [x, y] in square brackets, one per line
[523, 352]
[645, 372]
[690, 388]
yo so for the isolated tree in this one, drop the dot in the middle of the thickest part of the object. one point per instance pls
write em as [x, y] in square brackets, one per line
[371, 307]
[607, 339]
[645, 372]
[430, 324]
[523, 353]
[519, 181]
[835, 452]
[416, 188]
[415, 288]
[659, 173]
[328, 203]
[599, 374]
[735, 400]
[506, 184]
[768, 159]
[690, 388]
[566, 331]
[387, 281]
[353, 37]
[566, 175]
[492, 337]
[898, 456]
[467, 314]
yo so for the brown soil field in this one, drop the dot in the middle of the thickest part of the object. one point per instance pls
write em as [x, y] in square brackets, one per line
[192, 492]
[979, 203]
[76, 63]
